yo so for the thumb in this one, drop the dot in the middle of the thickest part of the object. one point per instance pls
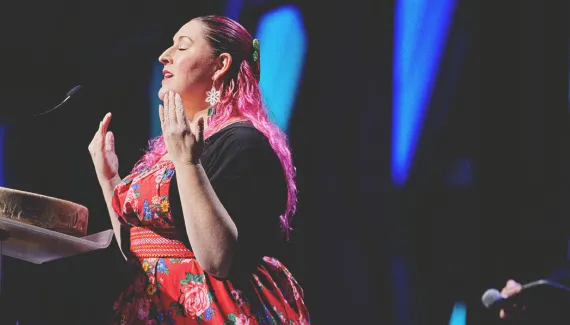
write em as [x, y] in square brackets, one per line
[512, 284]
[109, 141]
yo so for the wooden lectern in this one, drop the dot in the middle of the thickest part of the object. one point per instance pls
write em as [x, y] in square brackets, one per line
[38, 229]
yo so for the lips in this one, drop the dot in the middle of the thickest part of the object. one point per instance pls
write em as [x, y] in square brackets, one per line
[167, 74]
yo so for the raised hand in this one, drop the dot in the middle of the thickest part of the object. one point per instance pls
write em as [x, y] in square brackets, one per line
[102, 150]
[184, 145]
[511, 288]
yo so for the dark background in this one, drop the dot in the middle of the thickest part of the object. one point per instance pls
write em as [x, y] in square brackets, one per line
[364, 251]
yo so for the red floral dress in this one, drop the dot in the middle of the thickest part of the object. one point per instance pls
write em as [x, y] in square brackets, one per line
[168, 286]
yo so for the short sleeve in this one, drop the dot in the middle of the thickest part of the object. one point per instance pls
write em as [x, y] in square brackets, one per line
[247, 176]
[250, 183]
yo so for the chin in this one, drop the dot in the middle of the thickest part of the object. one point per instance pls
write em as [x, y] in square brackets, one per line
[164, 90]
[161, 92]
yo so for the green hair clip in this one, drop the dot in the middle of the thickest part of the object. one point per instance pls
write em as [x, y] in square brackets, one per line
[255, 50]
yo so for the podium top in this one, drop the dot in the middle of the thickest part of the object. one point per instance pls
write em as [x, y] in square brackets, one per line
[38, 245]
[43, 211]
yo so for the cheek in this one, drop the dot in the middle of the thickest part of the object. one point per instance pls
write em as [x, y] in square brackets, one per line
[185, 71]
[189, 69]
[194, 76]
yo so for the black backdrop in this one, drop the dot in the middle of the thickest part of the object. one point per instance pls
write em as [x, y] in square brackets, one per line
[364, 251]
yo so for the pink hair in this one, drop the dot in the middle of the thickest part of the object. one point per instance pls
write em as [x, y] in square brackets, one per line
[240, 97]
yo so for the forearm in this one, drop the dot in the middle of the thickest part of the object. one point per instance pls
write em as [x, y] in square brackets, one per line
[107, 186]
[210, 229]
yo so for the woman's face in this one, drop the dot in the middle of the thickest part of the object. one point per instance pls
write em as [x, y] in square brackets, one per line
[189, 67]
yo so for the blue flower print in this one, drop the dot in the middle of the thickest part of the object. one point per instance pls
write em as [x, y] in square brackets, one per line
[147, 212]
[162, 318]
[208, 313]
[168, 173]
[161, 266]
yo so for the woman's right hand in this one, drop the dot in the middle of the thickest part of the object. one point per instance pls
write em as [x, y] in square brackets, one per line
[102, 150]
[511, 288]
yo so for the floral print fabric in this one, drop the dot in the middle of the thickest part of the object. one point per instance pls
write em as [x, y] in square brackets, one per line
[168, 286]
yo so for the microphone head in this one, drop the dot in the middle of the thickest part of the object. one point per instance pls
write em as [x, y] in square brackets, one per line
[490, 297]
[74, 91]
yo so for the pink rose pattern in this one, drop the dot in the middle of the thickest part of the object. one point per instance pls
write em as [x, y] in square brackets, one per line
[242, 320]
[173, 291]
[194, 299]
[183, 294]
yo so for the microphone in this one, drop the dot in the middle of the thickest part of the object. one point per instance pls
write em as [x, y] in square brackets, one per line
[74, 91]
[544, 289]
[70, 94]
[492, 299]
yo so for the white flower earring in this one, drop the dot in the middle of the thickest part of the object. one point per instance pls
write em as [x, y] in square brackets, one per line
[213, 96]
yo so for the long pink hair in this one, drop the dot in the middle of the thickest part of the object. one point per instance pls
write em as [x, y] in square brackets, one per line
[240, 97]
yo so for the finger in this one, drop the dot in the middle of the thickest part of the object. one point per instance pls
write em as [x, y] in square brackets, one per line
[200, 133]
[100, 127]
[172, 107]
[514, 287]
[180, 118]
[161, 116]
[105, 123]
[109, 141]
[511, 288]
[98, 133]
[502, 314]
[510, 291]
[99, 138]
[512, 283]
[166, 110]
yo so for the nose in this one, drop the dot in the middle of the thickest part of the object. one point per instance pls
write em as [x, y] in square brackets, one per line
[165, 57]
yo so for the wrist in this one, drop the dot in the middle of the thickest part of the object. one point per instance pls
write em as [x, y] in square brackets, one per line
[112, 182]
[187, 168]
[187, 163]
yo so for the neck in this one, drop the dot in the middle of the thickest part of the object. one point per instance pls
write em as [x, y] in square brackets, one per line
[193, 117]
[193, 108]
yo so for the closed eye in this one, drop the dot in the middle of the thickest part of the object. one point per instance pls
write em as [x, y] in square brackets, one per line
[183, 41]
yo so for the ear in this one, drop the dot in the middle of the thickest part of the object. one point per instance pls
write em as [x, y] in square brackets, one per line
[223, 63]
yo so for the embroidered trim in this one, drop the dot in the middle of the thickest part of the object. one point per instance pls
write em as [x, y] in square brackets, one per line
[146, 243]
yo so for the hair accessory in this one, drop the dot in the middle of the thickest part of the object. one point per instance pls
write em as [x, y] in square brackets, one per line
[255, 50]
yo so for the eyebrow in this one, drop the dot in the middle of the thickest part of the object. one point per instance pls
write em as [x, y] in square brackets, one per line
[183, 36]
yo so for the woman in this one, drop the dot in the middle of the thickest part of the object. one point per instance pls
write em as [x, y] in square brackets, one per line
[197, 217]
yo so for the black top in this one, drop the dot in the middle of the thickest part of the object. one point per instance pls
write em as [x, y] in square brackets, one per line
[248, 178]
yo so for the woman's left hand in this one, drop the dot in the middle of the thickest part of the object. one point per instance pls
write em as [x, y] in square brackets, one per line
[184, 145]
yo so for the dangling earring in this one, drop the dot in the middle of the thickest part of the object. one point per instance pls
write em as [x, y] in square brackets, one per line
[213, 96]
